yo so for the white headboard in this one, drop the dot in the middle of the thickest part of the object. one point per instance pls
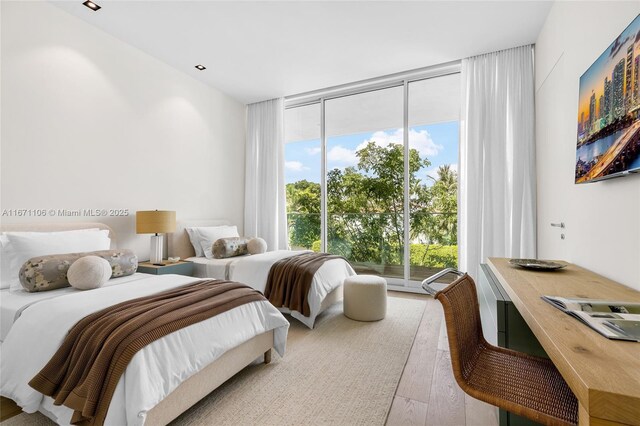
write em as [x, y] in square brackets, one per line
[53, 227]
[179, 243]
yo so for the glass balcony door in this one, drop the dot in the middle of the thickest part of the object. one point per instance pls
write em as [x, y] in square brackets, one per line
[372, 176]
[434, 122]
[365, 180]
[303, 177]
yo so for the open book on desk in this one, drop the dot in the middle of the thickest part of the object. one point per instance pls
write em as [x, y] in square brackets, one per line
[612, 319]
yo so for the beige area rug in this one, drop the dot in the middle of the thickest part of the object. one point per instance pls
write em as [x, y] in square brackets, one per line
[343, 372]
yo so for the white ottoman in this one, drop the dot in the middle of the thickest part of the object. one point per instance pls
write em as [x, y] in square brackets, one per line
[365, 297]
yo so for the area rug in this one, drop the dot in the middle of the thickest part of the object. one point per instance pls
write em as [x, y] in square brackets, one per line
[343, 372]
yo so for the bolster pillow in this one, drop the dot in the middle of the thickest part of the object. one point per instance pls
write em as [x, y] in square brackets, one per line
[50, 272]
[229, 247]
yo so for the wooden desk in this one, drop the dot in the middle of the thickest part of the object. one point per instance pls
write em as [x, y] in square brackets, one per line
[603, 374]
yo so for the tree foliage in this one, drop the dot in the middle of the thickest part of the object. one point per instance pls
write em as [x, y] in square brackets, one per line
[365, 205]
[303, 206]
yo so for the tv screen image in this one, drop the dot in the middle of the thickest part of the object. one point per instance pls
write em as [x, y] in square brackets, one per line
[608, 111]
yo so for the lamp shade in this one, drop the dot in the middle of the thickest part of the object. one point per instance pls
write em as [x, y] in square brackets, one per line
[155, 221]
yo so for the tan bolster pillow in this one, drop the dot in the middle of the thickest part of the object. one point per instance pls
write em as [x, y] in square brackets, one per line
[49, 272]
[229, 247]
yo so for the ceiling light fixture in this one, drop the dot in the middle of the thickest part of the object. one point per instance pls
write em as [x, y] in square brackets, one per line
[91, 5]
[201, 67]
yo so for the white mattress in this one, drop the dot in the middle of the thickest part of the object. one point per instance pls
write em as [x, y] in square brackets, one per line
[13, 303]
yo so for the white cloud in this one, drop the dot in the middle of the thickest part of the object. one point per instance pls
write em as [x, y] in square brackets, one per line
[420, 141]
[295, 166]
[342, 156]
[313, 151]
[423, 143]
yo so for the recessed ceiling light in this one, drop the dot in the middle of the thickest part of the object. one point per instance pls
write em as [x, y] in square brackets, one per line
[91, 5]
[201, 67]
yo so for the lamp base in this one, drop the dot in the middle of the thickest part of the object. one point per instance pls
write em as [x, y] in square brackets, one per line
[155, 253]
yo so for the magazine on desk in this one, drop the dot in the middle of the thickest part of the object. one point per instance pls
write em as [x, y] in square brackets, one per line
[612, 319]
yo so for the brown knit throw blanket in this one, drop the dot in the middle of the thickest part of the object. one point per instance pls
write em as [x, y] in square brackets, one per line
[85, 370]
[290, 279]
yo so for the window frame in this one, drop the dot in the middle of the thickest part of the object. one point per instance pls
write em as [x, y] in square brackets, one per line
[393, 80]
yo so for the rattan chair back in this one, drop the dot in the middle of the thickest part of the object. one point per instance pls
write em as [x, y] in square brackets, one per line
[514, 381]
[464, 328]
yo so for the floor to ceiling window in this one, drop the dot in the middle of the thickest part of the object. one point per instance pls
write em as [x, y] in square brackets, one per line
[303, 176]
[434, 114]
[372, 175]
[365, 180]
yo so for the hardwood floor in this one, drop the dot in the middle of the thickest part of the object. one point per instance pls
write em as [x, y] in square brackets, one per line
[427, 393]
[8, 409]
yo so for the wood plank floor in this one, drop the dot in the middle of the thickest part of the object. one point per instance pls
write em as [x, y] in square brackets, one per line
[8, 408]
[427, 393]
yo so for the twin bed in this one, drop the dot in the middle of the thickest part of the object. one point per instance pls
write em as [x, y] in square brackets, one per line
[253, 270]
[171, 374]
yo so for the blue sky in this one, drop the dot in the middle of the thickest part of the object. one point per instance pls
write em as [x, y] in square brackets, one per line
[437, 142]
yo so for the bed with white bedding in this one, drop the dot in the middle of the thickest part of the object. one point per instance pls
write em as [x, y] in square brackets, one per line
[253, 270]
[154, 372]
[163, 379]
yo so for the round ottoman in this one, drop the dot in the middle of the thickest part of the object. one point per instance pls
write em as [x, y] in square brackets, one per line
[365, 297]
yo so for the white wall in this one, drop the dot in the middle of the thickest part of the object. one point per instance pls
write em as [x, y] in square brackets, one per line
[91, 122]
[602, 219]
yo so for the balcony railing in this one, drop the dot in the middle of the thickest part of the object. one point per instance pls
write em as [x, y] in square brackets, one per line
[374, 242]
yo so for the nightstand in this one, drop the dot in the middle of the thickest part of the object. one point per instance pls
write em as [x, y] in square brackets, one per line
[180, 268]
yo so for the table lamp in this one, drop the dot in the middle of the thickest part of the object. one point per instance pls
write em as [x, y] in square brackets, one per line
[155, 222]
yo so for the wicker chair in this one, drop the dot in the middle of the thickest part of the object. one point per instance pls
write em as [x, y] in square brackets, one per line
[522, 384]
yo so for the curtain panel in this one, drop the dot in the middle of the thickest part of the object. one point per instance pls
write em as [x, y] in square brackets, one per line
[497, 195]
[264, 202]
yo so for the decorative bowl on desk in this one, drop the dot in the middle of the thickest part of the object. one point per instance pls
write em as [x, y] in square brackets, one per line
[537, 264]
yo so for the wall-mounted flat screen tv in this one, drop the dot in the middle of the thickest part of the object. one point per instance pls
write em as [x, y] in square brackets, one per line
[608, 112]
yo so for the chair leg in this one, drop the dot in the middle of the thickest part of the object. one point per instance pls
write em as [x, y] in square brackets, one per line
[267, 357]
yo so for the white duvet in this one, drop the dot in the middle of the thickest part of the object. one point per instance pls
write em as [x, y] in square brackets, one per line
[254, 270]
[153, 372]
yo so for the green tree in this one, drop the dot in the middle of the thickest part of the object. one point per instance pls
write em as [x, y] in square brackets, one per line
[365, 204]
[365, 210]
[444, 207]
[303, 208]
[434, 214]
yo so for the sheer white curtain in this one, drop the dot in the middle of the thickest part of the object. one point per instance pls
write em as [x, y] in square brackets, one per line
[497, 205]
[264, 199]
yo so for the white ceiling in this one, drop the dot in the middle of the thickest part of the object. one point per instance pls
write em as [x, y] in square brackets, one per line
[255, 51]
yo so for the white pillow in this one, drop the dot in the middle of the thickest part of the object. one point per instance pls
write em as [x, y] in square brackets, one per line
[22, 246]
[89, 272]
[7, 274]
[203, 237]
[195, 241]
[4, 261]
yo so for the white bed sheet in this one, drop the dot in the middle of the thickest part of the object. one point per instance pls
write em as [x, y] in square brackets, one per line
[253, 270]
[212, 268]
[12, 302]
[153, 372]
